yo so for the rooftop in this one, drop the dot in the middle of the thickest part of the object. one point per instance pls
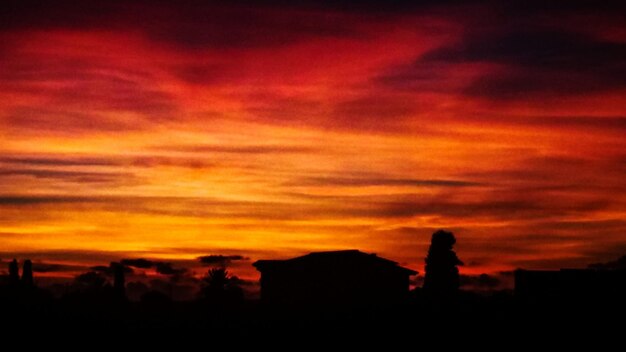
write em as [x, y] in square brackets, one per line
[352, 256]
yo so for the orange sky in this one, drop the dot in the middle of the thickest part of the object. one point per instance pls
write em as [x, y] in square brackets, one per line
[169, 132]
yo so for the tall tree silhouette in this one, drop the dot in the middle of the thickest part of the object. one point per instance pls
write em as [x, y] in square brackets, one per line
[14, 272]
[442, 274]
[27, 273]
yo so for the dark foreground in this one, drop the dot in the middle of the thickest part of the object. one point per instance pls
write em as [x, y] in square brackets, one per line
[471, 319]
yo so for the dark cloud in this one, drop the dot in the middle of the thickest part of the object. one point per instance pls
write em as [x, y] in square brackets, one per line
[64, 255]
[539, 50]
[505, 202]
[81, 95]
[44, 267]
[168, 269]
[373, 180]
[245, 149]
[538, 62]
[101, 83]
[592, 123]
[60, 162]
[138, 263]
[218, 259]
[41, 160]
[540, 7]
[110, 269]
[70, 176]
[184, 162]
[243, 28]
[102, 269]
[528, 58]
[163, 268]
[42, 200]
[188, 25]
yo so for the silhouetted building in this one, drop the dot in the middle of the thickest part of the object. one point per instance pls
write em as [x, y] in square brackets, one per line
[27, 273]
[570, 285]
[348, 276]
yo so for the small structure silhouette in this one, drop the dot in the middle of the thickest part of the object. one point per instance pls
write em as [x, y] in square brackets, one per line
[442, 275]
[336, 277]
[27, 273]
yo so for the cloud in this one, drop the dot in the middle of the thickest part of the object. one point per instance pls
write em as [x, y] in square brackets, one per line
[196, 25]
[138, 263]
[242, 149]
[378, 180]
[52, 255]
[71, 176]
[168, 269]
[69, 92]
[160, 267]
[547, 62]
[26, 200]
[61, 160]
[555, 122]
[45, 267]
[218, 259]
[110, 269]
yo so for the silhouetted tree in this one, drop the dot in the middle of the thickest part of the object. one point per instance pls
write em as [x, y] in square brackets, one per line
[119, 282]
[90, 281]
[442, 275]
[221, 286]
[14, 273]
[27, 273]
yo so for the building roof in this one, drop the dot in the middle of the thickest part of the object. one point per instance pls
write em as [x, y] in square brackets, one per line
[351, 256]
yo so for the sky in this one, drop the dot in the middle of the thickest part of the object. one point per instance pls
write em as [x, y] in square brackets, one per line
[175, 130]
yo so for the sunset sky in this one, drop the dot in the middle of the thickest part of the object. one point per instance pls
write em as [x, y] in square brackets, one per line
[173, 130]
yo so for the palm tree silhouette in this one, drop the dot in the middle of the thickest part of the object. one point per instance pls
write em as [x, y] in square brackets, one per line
[219, 285]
